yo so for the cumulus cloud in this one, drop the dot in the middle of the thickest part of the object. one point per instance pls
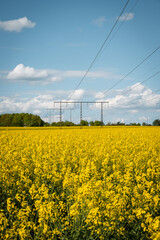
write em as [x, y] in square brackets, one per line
[137, 88]
[34, 104]
[99, 21]
[126, 17]
[135, 97]
[78, 94]
[47, 76]
[39, 103]
[22, 73]
[16, 25]
[128, 106]
[131, 105]
[99, 95]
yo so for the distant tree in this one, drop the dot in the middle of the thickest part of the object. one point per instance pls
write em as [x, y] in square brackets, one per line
[27, 119]
[84, 123]
[36, 121]
[6, 120]
[120, 123]
[156, 122]
[58, 124]
[20, 119]
[135, 124]
[46, 124]
[91, 123]
[67, 123]
[145, 124]
[9, 119]
[98, 123]
[53, 124]
[17, 120]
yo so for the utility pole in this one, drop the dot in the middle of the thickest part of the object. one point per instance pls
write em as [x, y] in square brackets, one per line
[49, 113]
[70, 115]
[60, 112]
[81, 103]
[80, 112]
[101, 113]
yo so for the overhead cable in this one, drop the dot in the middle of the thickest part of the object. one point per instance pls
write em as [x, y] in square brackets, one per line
[122, 22]
[137, 66]
[100, 50]
[130, 89]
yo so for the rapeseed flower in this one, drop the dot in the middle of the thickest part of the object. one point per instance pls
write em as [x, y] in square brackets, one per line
[92, 183]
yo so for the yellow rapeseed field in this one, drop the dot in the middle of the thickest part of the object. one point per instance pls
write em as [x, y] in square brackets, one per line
[72, 183]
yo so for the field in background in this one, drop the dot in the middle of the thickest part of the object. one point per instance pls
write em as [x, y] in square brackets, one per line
[72, 183]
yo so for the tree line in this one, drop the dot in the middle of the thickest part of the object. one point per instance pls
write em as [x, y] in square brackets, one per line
[99, 123]
[30, 120]
[21, 120]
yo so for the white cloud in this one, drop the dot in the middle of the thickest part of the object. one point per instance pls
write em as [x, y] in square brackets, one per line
[39, 103]
[16, 25]
[127, 107]
[121, 120]
[36, 112]
[143, 119]
[137, 97]
[133, 111]
[47, 76]
[22, 73]
[34, 104]
[99, 95]
[126, 17]
[92, 74]
[137, 88]
[45, 97]
[78, 94]
[99, 21]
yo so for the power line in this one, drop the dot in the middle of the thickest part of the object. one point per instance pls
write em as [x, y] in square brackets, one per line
[125, 18]
[133, 69]
[142, 100]
[119, 105]
[150, 99]
[144, 74]
[81, 105]
[156, 90]
[100, 50]
[141, 83]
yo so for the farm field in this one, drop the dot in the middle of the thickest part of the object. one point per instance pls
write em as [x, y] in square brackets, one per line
[72, 183]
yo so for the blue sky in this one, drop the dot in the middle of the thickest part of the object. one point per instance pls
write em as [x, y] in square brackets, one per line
[47, 46]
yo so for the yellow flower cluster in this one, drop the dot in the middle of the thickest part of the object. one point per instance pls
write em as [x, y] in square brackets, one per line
[71, 183]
